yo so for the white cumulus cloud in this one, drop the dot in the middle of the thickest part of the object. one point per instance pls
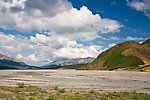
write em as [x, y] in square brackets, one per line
[42, 49]
[66, 25]
[57, 16]
[140, 5]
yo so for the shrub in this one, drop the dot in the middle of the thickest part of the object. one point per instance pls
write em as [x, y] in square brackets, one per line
[56, 88]
[21, 85]
[62, 90]
[92, 91]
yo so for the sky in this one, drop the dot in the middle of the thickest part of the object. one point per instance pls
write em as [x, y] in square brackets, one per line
[38, 32]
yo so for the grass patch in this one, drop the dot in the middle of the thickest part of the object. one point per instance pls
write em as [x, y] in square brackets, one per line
[36, 93]
[78, 66]
[62, 90]
[59, 90]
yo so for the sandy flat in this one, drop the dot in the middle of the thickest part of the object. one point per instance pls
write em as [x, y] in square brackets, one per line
[79, 80]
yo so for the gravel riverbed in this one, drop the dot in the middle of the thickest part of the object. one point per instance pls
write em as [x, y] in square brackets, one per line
[79, 79]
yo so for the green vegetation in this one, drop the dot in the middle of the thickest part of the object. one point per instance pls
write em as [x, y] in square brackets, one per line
[62, 90]
[100, 57]
[36, 93]
[128, 42]
[10, 62]
[8, 67]
[115, 59]
[92, 91]
[73, 66]
[148, 44]
[56, 88]
[21, 85]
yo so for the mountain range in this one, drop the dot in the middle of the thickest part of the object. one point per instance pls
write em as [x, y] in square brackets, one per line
[10, 63]
[128, 55]
[67, 62]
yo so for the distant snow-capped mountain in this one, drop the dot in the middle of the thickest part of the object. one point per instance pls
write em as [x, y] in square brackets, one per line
[69, 62]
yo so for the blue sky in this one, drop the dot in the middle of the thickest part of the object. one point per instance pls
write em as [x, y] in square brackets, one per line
[41, 31]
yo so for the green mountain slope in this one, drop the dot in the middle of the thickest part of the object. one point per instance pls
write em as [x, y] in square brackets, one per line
[114, 59]
[128, 54]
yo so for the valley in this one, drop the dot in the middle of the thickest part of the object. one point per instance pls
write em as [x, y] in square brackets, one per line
[79, 79]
